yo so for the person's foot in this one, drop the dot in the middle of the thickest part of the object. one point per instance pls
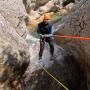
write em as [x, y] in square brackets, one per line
[52, 58]
[40, 58]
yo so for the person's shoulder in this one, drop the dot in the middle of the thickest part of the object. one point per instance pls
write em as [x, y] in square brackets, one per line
[40, 23]
[51, 24]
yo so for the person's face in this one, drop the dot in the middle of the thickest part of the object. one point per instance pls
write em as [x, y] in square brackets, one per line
[47, 21]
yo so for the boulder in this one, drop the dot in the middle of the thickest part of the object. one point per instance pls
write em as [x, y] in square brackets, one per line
[14, 51]
[76, 23]
[64, 67]
[66, 2]
[14, 12]
[14, 57]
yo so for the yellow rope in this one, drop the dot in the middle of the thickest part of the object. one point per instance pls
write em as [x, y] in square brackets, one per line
[54, 78]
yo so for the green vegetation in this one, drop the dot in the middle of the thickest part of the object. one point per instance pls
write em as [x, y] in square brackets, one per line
[56, 17]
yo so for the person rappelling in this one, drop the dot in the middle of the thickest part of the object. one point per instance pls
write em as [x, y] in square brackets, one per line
[46, 29]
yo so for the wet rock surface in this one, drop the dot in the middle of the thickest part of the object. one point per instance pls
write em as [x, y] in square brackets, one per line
[68, 66]
[64, 67]
[14, 54]
[14, 57]
[76, 23]
[13, 12]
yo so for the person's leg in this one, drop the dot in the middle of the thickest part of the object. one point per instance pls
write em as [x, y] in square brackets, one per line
[42, 43]
[51, 44]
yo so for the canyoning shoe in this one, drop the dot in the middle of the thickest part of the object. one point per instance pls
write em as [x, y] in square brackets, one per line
[52, 58]
[40, 58]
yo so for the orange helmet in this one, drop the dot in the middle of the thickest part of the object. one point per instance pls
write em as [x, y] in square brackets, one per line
[47, 16]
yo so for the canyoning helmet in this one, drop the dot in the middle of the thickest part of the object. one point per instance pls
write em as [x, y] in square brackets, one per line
[46, 16]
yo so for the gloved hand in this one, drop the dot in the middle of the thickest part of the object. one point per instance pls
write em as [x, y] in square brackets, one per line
[41, 35]
[45, 35]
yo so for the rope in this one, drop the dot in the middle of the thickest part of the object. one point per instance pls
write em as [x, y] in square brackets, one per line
[54, 78]
[73, 37]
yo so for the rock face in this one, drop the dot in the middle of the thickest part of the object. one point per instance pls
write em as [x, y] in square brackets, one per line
[64, 67]
[36, 4]
[66, 2]
[71, 25]
[45, 5]
[14, 11]
[36, 9]
[77, 23]
[42, 5]
[69, 68]
[14, 57]
[14, 54]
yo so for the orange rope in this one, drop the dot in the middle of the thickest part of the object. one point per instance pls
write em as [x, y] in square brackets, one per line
[73, 37]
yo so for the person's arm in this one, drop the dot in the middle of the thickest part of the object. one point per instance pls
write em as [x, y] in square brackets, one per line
[52, 31]
[38, 30]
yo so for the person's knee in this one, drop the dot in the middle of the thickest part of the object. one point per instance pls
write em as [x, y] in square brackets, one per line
[51, 44]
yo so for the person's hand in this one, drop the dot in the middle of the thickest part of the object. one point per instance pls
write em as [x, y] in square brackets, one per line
[45, 35]
[41, 35]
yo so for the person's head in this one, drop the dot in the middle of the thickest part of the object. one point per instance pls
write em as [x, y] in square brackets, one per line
[46, 18]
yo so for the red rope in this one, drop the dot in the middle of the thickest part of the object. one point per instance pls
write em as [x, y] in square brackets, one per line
[73, 37]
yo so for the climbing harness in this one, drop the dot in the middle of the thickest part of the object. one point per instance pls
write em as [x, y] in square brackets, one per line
[54, 78]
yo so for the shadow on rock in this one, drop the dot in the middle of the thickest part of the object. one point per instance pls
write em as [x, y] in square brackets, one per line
[13, 69]
[66, 69]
